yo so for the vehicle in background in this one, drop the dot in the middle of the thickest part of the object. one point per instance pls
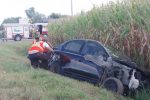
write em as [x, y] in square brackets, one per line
[89, 60]
[41, 27]
[18, 31]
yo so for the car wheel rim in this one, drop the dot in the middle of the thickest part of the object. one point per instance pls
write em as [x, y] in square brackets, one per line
[111, 85]
[17, 38]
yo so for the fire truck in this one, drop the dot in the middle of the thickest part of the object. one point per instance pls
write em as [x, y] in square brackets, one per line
[18, 31]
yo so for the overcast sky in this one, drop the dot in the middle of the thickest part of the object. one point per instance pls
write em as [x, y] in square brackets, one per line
[15, 8]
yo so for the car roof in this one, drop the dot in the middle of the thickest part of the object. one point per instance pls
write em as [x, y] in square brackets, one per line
[86, 40]
[91, 40]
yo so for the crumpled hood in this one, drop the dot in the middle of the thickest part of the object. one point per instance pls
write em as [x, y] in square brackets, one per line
[124, 61]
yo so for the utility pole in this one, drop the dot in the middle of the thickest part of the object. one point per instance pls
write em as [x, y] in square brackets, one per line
[71, 8]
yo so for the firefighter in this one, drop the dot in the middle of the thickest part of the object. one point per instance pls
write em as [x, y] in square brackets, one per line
[37, 39]
[39, 50]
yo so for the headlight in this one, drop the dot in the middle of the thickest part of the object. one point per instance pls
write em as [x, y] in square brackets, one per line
[134, 82]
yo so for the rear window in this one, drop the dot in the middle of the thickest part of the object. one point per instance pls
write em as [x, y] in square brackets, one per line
[94, 49]
[74, 46]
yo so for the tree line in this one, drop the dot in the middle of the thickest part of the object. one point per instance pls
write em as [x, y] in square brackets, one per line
[34, 17]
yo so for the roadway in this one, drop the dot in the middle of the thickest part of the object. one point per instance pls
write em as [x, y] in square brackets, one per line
[5, 41]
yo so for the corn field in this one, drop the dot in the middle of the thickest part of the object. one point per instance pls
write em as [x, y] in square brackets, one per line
[123, 26]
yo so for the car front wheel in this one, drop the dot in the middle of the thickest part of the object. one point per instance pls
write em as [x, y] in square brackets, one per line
[113, 84]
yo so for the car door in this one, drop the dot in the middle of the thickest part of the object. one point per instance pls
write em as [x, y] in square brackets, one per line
[72, 50]
[76, 68]
[91, 51]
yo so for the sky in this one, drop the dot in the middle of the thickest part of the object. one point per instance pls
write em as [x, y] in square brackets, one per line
[16, 8]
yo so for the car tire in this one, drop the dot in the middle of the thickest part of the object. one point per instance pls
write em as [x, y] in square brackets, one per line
[35, 64]
[113, 84]
[55, 67]
[18, 38]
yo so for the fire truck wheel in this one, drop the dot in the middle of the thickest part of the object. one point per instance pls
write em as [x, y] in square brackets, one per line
[18, 38]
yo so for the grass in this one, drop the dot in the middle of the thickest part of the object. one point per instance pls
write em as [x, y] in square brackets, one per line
[143, 95]
[18, 81]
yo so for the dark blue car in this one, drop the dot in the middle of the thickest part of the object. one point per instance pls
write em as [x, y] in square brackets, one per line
[89, 60]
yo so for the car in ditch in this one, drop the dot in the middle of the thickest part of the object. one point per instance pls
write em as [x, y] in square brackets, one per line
[88, 60]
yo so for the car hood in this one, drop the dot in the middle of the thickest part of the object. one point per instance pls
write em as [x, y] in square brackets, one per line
[124, 61]
[121, 59]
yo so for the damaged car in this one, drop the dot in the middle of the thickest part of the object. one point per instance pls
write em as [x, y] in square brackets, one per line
[88, 60]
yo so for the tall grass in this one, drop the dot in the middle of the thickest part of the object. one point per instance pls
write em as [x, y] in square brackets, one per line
[143, 95]
[123, 25]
